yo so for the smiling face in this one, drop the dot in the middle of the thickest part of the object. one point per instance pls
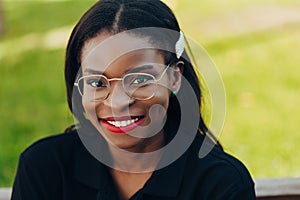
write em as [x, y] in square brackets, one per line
[129, 119]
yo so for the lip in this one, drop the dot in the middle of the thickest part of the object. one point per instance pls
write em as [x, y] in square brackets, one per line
[124, 129]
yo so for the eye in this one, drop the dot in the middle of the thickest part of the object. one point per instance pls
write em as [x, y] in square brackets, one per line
[142, 80]
[96, 83]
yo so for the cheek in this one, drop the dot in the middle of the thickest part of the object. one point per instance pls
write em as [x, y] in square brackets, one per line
[156, 109]
[159, 103]
[90, 109]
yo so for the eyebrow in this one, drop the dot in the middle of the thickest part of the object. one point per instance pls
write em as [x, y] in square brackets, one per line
[137, 69]
[91, 71]
[140, 68]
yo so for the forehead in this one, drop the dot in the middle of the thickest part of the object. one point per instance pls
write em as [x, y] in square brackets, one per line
[106, 49]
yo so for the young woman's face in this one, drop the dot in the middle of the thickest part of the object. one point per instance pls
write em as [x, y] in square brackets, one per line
[132, 121]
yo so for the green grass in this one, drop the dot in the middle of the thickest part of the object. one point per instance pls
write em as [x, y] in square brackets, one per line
[33, 103]
[259, 68]
[263, 104]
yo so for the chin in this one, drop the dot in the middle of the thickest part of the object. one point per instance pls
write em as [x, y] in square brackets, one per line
[128, 144]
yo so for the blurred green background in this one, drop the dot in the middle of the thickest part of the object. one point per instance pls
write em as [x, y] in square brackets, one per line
[255, 45]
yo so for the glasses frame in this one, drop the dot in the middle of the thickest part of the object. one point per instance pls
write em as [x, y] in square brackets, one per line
[76, 84]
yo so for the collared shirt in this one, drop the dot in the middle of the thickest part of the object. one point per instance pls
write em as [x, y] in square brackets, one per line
[60, 168]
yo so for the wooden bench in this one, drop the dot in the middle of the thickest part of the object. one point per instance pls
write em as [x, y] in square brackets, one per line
[278, 189]
[5, 193]
[266, 189]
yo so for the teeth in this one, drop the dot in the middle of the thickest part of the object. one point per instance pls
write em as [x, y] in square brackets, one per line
[123, 123]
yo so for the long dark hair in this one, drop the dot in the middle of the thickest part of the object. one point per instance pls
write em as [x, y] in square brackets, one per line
[115, 16]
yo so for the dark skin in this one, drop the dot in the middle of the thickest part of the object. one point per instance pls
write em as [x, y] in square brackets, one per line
[136, 170]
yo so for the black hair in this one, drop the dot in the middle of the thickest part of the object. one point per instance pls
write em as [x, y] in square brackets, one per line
[116, 16]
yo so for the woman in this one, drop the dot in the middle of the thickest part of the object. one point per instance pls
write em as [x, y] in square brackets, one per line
[136, 96]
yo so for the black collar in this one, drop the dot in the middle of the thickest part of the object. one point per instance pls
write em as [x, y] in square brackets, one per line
[89, 171]
[164, 182]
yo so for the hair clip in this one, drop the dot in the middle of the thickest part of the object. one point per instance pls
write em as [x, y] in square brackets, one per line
[179, 46]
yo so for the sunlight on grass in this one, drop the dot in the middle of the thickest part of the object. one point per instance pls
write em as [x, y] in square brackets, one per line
[262, 117]
[260, 66]
[54, 39]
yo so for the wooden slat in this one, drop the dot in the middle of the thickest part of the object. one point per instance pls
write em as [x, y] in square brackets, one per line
[278, 188]
[5, 193]
[266, 189]
[279, 198]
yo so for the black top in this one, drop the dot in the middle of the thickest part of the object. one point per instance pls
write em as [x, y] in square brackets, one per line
[60, 168]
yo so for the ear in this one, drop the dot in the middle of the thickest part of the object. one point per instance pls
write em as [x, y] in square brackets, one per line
[175, 76]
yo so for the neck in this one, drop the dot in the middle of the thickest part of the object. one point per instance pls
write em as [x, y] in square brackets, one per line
[141, 159]
[128, 184]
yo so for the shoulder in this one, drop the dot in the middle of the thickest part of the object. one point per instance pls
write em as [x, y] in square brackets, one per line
[227, 166]
[220, 172]
[52, 147]
[44, 165]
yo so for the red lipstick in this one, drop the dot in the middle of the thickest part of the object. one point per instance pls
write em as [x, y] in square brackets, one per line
[121, 125]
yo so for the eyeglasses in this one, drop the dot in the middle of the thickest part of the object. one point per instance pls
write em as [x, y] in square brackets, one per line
[139, 86]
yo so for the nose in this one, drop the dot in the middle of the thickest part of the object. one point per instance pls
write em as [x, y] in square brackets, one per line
[117, 99]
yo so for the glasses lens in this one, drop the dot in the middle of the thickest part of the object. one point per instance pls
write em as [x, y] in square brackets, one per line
[94, 87]
[139, 85]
